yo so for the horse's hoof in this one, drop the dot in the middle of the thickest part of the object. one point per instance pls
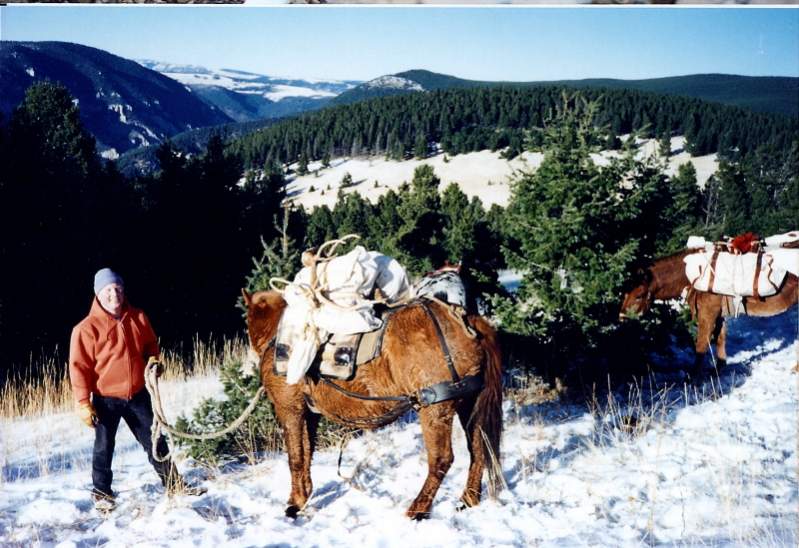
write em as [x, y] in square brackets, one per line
[418, 516]
[292, 511]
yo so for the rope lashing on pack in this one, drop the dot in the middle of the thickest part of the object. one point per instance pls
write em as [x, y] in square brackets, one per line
[161, 425]
[315, 291]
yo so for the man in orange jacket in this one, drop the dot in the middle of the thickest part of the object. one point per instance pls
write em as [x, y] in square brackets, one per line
[107, 355]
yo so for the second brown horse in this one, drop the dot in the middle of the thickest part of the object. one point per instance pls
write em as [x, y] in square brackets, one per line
[411, 359]
[666, 279]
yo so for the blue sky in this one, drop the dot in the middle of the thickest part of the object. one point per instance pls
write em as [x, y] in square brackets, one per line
[501, 43]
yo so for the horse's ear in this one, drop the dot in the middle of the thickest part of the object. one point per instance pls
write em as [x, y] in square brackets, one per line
[247, 297]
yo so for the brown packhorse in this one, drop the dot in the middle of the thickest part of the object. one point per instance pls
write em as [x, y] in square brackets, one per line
[666, 279]
[411, 359]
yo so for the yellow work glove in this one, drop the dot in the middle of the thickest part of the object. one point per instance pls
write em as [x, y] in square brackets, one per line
[159, 367]
[87, 413]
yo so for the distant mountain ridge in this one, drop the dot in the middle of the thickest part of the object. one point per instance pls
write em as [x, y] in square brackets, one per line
[123, 104]
[772, 94]
[247, 96]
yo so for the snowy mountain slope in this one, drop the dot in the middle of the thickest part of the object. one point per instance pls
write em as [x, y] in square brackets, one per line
[248, 96]
[121, 103]
[712, 466]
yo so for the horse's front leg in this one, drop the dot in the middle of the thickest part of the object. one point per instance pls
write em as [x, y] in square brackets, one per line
[437, 432]
[293, 415]
[708, 312]
[309, 445]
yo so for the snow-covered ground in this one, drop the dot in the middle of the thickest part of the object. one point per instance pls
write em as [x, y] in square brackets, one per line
[716, 466]
[483, 174]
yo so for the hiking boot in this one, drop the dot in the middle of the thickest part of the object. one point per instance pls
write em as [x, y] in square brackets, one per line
[103, 502]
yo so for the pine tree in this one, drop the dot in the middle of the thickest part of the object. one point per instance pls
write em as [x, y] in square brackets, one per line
[346, 181]
[302, 166]
[664, 144]
[734, 199]
[279, 258]
[420, 147]
[419, 241]
[575, 230]
[686, 213]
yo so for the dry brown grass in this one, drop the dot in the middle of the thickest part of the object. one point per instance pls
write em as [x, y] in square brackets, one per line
[49, 391]
[27, 395]
[529, 389]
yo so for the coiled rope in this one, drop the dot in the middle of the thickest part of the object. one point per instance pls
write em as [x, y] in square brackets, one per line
[161, 425]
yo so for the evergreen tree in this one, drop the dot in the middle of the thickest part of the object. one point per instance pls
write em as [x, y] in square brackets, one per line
[351, 214]
[346, 181]
[575, 230]
[302, 166]
[686, 213]
[420, 147]
[469, 240]
[321, 227]
[664, 144]
[734, 199]
[419, 241]
[279, 258]
[51, 184]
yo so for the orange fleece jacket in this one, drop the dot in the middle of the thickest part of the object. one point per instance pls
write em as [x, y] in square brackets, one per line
[107, 355]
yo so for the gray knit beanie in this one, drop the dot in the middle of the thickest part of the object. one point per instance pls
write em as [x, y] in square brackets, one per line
[104, 277]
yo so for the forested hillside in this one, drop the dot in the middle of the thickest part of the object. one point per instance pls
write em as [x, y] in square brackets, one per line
[465, 120]
[774, 94]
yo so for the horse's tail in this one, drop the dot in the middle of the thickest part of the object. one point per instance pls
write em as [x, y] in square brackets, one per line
[488, 409]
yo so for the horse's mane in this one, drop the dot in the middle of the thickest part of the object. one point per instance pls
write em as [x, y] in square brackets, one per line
[677, 254]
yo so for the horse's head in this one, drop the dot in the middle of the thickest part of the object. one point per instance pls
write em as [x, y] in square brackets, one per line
[264, 309]
[638, 297]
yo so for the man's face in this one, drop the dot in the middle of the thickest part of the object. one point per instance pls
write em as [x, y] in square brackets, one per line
[112, 297]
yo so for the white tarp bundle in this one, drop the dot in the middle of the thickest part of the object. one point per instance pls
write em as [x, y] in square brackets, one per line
[346, 282]
[785, 257]
[780, 240]
[734, 274]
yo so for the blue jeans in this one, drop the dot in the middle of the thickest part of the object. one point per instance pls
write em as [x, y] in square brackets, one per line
[138, 414]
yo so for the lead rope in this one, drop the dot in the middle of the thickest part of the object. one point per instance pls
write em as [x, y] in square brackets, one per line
[161, 424]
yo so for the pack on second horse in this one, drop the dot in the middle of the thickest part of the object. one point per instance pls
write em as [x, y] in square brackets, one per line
[744, 266]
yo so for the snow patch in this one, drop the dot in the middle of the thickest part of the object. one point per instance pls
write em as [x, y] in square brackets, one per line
[279, 92]
[393, 82]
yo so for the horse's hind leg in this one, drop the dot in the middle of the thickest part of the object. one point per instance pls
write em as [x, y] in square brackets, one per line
[708, 313]
[437, 432]
[471, 495]
[720, 334]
